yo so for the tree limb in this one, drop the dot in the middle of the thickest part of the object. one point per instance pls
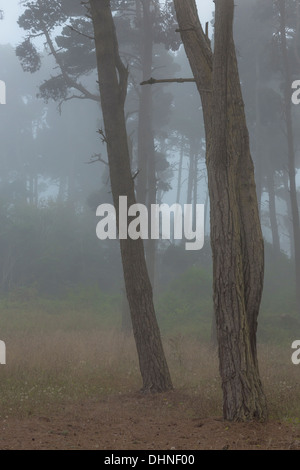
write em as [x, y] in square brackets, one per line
[69, 98]
[71, 82]
[152, 81]
[79, 32]
[97, 158]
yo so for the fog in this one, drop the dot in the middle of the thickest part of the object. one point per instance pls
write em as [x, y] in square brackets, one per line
[62, 291]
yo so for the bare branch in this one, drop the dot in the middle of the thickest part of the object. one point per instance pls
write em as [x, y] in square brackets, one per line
[135, 174]
[69, 98]
[97, 158]
[33, 36]
[71, 82]
[82, 34]
[103, 136]
[152, 81]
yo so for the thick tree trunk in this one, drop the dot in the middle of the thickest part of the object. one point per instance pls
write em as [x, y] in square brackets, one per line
[126, 318]
[236, 238]
[113, 87]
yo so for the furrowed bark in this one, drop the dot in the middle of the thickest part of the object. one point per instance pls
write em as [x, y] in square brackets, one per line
[236, 237]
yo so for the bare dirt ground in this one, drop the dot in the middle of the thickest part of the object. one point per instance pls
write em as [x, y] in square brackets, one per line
[138, 422]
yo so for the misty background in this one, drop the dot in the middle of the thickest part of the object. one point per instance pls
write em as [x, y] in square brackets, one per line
[52, 179]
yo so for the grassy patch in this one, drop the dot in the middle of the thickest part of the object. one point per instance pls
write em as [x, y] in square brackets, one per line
[51, 363]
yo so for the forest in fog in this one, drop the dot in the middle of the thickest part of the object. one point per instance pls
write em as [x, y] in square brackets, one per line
[50, 188]
[143, 99]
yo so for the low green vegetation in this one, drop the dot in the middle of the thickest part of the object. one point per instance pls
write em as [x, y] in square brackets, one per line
[70, 347]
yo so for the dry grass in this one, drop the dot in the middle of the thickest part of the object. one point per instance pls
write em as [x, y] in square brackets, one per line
[49, 368]
[49, 364]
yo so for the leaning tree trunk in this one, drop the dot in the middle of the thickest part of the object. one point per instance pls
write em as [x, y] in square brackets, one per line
[113, 88]
[236, 238]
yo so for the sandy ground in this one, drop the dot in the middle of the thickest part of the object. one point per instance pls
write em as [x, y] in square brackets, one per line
[138, 422]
